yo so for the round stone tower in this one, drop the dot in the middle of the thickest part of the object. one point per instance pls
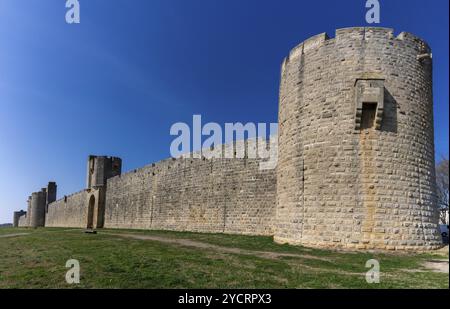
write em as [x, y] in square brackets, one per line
[356, 143]
[37, 211]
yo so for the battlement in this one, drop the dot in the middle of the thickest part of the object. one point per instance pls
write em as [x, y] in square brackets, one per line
[357, 34]
[363, 33]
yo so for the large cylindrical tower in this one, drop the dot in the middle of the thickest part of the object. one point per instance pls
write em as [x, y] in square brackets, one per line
[356, 148]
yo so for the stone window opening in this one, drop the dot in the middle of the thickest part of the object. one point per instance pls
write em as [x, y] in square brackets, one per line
[368, 115]
[369, 104]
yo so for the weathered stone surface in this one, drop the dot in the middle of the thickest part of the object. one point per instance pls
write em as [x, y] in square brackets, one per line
[70, 211]
[375, 181]
[204, 195]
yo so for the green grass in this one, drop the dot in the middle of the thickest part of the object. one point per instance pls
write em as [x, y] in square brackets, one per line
[37, 260]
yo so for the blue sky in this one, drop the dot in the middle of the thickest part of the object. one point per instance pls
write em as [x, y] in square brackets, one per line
[115, 83]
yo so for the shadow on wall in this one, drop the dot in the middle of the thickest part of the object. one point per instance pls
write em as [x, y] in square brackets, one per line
[389, 123]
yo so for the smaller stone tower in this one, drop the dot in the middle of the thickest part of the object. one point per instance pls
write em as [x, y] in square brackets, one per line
[27, 222]
[17, 215]
[99, 169]
[38, 205]
[51, 194]
[37, 215]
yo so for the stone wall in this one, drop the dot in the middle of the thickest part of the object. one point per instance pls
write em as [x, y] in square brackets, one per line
[70, 211]
[204, 195]
[340, 184]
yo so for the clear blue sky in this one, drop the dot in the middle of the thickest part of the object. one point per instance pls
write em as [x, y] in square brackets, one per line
[115, 83]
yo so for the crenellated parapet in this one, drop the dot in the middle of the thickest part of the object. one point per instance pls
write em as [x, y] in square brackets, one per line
[359, 35]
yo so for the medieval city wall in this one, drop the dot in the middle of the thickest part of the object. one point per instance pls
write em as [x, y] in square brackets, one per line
[193, 194]
[355, 165]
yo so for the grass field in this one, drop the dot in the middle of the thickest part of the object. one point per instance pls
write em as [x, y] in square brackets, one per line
[156, 259]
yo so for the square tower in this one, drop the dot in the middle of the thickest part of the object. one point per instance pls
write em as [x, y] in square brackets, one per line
[100, 168]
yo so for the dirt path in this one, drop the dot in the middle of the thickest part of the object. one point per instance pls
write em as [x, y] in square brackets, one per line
[440, 266]
[13, 235]
[436, 265]
[204, 245]
[220, 249]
